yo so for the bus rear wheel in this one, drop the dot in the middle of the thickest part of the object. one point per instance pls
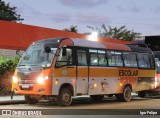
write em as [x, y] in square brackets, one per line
[65, 97]
[96, 98]
[31, 99]
[125, 96]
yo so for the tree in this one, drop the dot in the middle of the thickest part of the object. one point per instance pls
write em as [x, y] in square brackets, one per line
[121, 33]
[71, 29]
[8, 13]
[97, 29]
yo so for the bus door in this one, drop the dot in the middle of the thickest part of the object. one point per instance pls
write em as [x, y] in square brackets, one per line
[82, 72]
[65, 70]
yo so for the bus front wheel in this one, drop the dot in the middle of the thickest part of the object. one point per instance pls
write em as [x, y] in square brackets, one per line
[65, 97]
[31, 99]
[125, 96]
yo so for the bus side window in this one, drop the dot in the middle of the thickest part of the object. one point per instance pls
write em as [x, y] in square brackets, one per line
[129, 59]
[94, 57]
[102, 58]
[143, 60]
[64, 60]
[118, 58]
[126, 58]
[82, 58]
[111, 58]
[133, 60]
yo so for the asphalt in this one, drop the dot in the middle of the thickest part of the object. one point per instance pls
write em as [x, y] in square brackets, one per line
[17, 99]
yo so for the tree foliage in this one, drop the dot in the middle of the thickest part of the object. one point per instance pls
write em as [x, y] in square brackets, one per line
[8, 13]
[121, 33]
[71, 29]
[8, 64]
[7, 67]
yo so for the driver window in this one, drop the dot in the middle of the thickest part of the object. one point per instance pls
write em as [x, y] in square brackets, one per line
[64, 60]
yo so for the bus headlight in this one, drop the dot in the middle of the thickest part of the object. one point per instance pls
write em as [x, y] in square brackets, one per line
[40, 80]
[15, 79]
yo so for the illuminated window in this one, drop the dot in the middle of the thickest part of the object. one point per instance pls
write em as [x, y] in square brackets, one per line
[64, 60]
[94, 57]
[102, 58]
[114, 58]
[82, 59]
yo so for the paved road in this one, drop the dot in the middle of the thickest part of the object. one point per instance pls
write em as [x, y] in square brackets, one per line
[83, 105]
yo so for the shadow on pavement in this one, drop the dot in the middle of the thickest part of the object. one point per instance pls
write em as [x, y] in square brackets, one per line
[85, 101]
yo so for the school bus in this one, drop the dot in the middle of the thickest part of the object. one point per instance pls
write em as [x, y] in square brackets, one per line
[60, 68]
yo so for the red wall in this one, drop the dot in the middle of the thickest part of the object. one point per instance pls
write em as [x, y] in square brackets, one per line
[20, 36]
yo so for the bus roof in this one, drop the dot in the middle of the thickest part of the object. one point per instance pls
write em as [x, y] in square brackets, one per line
[93, 44]
[104, 45]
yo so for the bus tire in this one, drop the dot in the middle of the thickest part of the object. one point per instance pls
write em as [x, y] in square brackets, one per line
[96, 98]
[126, 95]
[65, 97]
[30, 99]
[142, 94]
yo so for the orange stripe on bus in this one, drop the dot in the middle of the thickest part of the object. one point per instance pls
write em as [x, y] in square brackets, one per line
[103, 72]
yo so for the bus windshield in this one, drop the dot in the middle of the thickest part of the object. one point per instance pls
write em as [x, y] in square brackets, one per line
[36, 56]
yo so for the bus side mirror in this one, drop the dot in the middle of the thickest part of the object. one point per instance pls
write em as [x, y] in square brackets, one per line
[64, 52]
[18, 53]
[47, 49]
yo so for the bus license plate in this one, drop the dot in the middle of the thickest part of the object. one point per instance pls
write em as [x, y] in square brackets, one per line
[25, 86]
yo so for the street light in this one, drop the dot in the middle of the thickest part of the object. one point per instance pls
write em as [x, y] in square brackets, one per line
[93, 36]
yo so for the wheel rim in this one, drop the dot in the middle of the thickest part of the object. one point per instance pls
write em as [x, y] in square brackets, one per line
[65, 97]
[127, 94]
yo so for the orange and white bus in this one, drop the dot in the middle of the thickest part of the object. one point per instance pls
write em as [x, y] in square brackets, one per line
[60, 68]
